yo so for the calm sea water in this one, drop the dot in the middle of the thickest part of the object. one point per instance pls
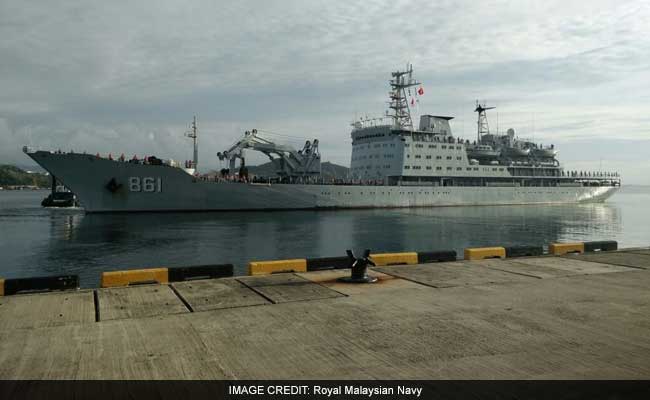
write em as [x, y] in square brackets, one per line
[35, 241]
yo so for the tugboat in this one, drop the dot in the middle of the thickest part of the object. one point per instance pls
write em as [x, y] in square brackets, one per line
[60, 197]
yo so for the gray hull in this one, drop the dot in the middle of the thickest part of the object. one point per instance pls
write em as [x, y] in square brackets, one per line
[141, 187]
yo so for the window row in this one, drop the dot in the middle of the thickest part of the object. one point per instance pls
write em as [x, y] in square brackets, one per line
[435, 146]
[376, 145]
[437, 157]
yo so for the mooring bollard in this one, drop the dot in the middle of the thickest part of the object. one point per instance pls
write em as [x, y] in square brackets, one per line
[359, 268]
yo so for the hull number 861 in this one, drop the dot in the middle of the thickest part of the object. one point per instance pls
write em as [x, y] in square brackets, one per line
[145, 184]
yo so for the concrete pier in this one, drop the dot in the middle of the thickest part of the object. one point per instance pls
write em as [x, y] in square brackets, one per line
[576, 316]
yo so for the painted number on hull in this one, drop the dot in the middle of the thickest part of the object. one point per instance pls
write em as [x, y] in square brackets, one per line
[146, 184]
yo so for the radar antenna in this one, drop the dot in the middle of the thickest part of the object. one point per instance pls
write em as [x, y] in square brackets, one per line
[401, 114]
[482, 124]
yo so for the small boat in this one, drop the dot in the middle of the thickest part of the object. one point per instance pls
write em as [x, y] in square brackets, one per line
[547, 152]
[482, 151]
[60, 199]
[517, 151]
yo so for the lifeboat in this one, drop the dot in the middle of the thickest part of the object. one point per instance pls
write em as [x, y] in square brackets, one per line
[517, 151]
[547, 152]
[482, 151]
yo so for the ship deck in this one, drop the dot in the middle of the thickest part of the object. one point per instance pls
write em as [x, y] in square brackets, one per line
[546, 317]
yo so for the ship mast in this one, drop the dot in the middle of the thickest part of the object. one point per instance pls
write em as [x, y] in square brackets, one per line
[398, 102]
[482, 123]
[192, 134]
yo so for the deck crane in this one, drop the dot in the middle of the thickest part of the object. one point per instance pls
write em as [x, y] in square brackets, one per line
[288, 161]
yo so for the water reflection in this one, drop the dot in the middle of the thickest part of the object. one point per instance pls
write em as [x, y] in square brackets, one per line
[136, 240]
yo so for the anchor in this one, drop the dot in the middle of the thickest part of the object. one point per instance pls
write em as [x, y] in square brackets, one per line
[359, 268]
[113, 186]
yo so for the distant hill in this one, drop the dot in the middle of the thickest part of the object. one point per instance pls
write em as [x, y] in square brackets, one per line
[332, 170]
[30, 168]
[328, 170]
[14, 176]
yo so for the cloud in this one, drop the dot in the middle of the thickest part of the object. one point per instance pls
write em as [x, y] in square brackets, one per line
[111, 76]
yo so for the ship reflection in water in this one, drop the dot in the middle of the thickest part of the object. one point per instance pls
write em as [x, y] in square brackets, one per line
[145, 240]
[46, 242]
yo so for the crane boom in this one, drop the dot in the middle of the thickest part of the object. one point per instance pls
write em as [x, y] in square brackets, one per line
[288, 161]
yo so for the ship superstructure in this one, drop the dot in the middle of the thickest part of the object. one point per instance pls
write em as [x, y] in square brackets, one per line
[394, 153]
[393, 164]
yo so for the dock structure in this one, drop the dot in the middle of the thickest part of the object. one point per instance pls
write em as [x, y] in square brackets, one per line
[575, 316]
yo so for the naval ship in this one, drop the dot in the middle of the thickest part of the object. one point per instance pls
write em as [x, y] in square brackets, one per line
[392, 165]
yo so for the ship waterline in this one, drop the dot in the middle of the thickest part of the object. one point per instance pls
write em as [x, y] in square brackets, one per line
[140, 187]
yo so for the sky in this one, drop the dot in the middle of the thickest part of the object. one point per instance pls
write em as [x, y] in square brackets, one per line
[127, 77]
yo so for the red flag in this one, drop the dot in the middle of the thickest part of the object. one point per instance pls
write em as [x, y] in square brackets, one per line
[420, 91]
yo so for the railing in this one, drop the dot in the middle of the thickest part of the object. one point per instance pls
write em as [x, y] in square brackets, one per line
[591, 174]
[514, 181]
